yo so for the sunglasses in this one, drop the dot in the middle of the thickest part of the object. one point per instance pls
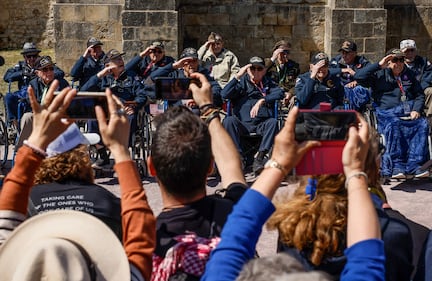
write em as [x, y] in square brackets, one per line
[286, 52]
[395, 60]
[46, 69]
[31, 56]
[156, 51]
[253, 68]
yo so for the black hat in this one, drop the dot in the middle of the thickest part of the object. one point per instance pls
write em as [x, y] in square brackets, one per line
[257, 61]
[348, 46]
[112, 54]
[319, 57]
[29, 47]
[43, 61]
[93, 42]
[189, 53]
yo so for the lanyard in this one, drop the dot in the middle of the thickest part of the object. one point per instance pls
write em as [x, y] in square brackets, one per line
[261, 88]
[403, 96]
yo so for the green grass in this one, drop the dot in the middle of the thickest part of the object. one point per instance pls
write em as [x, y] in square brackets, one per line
[12, 58]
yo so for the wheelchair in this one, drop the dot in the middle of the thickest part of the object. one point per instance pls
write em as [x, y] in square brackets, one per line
[4, 141]
[251, 142]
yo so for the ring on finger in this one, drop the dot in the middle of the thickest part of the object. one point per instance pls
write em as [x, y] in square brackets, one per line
[120, 112]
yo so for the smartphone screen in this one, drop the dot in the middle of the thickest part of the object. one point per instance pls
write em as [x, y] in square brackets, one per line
[324, 125]
[168, 88]
[83, 105]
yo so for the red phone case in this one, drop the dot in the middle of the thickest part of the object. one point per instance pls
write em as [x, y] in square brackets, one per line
[324, 159]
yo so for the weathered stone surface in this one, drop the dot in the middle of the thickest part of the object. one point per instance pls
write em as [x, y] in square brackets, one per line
[248, 26]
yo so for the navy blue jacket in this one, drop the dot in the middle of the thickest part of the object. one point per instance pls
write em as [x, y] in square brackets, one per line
[139, 65]
[244, 95]
[422, 68]
[85, 68]
[385, 90]
[338, 63]
[23, 74]
[39, 87]
[169, 71]
[126, 87]
[311, 92]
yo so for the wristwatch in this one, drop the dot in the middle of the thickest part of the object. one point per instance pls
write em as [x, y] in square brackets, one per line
[271, 163]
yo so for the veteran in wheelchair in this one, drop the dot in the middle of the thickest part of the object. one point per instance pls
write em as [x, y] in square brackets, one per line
[398, 100]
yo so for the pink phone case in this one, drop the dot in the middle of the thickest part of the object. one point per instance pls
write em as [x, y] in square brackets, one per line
[325, 159]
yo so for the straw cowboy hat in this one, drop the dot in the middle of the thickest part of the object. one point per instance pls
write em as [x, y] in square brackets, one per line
[62, 243]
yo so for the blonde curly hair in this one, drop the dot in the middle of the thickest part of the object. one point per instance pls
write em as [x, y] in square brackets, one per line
[71, 165]
[318, 226]
[315, 226]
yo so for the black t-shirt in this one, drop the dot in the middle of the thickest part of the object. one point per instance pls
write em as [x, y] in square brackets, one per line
[204, 217]
[73, 195]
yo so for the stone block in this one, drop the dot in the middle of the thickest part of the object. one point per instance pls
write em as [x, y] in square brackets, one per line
[372, 15]
[96, 13]
[150, 5]
[342, 16]
[128, 33]
[264, 31]
[134, 19]
[270, 19]
[356, 4]
[362, 29]
[286, 17]
[283, 31]
[77, 31]
[70, 13]
[375, 45]
[379, 29]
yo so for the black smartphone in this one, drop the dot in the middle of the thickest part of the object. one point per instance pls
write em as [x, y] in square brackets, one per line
[324, 125]
[168, 88]
[83, 105]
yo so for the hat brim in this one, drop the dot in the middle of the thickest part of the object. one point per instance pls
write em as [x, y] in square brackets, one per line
[102, 246]
[408, 48]
[345, 49]
[258, 64]
[30, 51]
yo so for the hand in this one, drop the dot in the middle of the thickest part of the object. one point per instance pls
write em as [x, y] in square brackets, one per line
[384, 61]
[348, 70]
[49, 119]
[243, 70]
[105, 71]
[182, 62]
[276, 53]
[315, 67]
[351, 84]
[286, 150]
[355, 150]
[87, 51]
[189, 103]
[254, 110]
[129, 109]
[201, 95]
[414, 115]
[146, 52]
[115, 133]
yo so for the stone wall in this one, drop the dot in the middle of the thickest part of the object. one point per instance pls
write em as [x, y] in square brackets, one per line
[26, 20]
[250, 27]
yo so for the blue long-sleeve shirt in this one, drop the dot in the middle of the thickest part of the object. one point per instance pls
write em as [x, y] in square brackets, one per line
[366, 259]
[85, 68]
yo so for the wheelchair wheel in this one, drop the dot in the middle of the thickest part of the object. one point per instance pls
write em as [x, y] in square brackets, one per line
[4, 143]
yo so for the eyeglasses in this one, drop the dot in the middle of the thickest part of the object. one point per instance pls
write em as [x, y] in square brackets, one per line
[46, 69]
[156, 51]
[31, 56]
[395, 60]
[286, 52]
[253, 68]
